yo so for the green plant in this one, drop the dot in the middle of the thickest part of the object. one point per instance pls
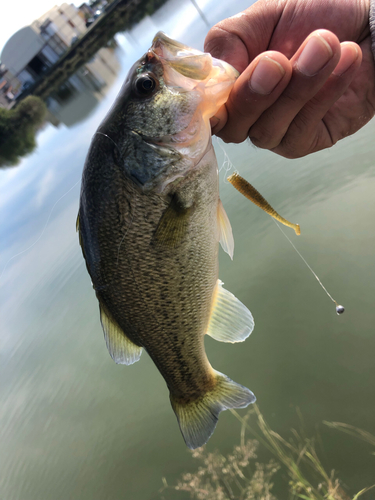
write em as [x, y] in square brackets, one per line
[17, 129]
[239, 476]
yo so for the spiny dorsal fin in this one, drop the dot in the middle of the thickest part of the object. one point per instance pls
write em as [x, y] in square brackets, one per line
[173, 224]
[230, 320]
[225, 231]
[122, 350]
[197, 419]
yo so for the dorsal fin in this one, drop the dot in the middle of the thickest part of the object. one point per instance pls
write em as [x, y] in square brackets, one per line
[122, 350]
[230, 320]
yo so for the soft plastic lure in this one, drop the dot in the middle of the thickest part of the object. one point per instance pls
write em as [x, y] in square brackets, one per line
[253, 195]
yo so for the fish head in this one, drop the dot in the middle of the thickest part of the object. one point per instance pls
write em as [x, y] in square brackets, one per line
[160, 120]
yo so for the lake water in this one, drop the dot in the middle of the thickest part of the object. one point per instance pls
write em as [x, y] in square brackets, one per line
[74, 425]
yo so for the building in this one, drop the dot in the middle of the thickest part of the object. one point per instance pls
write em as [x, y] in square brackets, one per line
[33, 49]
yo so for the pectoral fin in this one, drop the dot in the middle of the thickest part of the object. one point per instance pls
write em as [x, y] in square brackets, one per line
[225, 231]
[173, 224]
[122, 350]
[230, 321]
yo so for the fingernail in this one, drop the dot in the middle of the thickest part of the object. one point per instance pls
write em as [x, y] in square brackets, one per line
[266, 75]
[349, 55]
[316, 53]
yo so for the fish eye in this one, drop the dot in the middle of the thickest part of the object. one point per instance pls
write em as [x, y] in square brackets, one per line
[145, 85]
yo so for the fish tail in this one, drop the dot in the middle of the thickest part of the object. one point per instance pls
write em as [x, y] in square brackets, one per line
[197, 419]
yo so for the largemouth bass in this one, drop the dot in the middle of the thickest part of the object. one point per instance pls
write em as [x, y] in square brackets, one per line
[150, 221]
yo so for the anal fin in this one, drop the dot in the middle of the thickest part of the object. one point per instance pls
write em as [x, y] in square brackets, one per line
[122, 350]
[230, 320]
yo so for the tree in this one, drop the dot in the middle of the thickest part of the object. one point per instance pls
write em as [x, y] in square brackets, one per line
[17, 129]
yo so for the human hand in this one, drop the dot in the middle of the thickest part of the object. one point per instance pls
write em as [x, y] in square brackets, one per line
[315, 84]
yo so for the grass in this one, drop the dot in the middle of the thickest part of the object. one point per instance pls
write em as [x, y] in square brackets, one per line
[239, 476]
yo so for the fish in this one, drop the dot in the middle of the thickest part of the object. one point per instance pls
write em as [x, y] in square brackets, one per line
[150, 222]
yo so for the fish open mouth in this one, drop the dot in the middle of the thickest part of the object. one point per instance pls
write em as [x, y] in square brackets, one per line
[189, 62]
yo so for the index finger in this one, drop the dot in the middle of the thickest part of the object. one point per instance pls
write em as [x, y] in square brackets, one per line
[256, 89]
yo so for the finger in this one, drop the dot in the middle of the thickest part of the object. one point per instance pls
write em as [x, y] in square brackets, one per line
[227, 46]
[257, 88]
[308, 132]
[219, 120]
[313, 63]
[239, 39]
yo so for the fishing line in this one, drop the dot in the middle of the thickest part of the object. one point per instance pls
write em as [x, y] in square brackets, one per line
[227, 165]
[339, 308]
[45, 227]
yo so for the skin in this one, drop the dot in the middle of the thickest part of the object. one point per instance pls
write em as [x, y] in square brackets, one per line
[301, 103]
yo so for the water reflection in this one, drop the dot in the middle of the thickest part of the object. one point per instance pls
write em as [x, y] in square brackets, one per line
[79, 95]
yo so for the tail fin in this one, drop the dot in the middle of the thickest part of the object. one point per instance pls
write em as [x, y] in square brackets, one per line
[198, 419]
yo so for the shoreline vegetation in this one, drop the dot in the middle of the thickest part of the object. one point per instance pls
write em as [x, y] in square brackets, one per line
[18, 127]
[239, 476]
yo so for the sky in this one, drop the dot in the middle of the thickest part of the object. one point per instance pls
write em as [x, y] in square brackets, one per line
[19, 13]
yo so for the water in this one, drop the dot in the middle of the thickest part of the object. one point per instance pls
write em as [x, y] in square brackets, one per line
[73, 425]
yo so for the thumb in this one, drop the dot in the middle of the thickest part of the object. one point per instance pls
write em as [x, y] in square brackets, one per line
[239, 39]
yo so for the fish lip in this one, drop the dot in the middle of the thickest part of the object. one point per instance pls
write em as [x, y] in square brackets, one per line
[161, 39]
[188, 62]
[191, 63]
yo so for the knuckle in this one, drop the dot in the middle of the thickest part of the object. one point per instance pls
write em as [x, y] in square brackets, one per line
[228, 136]
[223, 43]
[300, 137]
[239, 110]
[291, 148]
[295, 145]
[263, 137]
[218, 39]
